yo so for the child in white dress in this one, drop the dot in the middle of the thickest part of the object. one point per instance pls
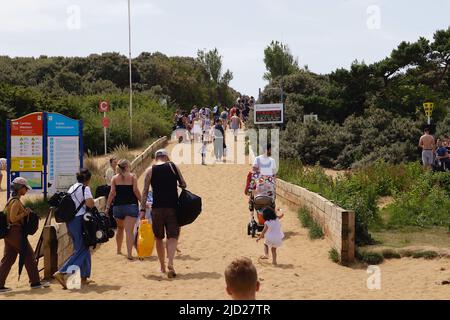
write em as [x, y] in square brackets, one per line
[272, 233]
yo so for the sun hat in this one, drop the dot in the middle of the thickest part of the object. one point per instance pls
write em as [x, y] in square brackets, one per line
[21, 182]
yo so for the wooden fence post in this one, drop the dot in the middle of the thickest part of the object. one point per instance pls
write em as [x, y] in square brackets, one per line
[50, 252]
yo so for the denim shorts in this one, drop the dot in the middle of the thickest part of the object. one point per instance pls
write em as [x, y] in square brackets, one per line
[129, 210]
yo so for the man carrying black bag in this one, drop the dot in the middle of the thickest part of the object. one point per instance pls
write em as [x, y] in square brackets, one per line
[163, 177]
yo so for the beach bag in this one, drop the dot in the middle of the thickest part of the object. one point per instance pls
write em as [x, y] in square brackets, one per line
[4, 226]
[96, 228]
[145, 240]
[65, 206]
[31, 224]
[189, 208]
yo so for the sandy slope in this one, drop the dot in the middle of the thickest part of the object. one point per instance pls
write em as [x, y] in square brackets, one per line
[219, 235]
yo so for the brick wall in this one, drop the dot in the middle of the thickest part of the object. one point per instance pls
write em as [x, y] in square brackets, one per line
[337, 224]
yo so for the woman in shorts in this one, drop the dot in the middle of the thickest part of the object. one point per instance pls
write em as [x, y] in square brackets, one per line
[125, 194]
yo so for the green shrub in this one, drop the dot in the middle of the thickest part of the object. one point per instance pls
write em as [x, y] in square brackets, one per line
[429, 255]
[315, 231]
[406, 253]
[390, 254]
[372, 258]
[333, 255]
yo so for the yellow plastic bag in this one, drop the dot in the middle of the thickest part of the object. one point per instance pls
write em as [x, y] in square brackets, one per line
[146, 240]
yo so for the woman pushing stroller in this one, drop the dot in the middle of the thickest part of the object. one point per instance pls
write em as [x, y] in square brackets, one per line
[261, 189]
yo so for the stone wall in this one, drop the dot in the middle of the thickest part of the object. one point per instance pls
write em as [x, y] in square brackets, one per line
[337, 224]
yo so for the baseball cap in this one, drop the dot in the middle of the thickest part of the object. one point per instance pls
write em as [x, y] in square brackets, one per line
[161, 153]
[21, 182]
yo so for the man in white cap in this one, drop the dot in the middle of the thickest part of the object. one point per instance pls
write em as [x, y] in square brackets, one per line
[163, 177]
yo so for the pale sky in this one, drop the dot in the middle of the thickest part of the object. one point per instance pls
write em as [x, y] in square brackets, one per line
[324, 35]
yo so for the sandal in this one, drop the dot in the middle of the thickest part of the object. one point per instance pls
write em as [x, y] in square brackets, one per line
[264, 258]
[171, 274]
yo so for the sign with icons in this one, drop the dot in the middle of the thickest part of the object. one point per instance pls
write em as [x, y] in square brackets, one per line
[44, 148]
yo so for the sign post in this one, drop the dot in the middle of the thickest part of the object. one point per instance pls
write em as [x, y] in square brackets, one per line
[104, 107]
[429, 108]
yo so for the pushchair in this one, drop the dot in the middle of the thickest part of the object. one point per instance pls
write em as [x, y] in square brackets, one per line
[264, 196]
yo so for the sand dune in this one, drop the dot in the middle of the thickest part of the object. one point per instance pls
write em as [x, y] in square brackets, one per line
[219, 235]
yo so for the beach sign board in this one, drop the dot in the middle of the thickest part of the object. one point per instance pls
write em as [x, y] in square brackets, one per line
[269, 113]
[63, 152]
[44, 148]
[25, 150]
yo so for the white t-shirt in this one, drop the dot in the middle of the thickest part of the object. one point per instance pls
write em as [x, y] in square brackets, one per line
[274, 235]
[78, 198]
[266, 165]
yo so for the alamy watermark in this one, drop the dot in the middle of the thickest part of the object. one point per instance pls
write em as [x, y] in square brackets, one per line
[374, 279]
[73, 20]
[374, 17]
[236, 150]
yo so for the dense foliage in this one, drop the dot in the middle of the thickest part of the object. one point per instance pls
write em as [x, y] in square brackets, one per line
[420, 198]
[369, 111]
[74, 85]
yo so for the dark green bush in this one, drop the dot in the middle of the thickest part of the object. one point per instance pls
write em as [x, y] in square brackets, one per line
[390, 254]
[333, 254]
[372, 258]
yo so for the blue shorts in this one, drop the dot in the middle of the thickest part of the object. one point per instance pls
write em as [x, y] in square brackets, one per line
[129, 210]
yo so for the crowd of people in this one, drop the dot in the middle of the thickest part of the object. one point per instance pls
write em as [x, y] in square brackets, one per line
[435, 152]
[199, 124]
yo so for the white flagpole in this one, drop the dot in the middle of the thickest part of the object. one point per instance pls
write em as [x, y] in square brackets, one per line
[131, 83]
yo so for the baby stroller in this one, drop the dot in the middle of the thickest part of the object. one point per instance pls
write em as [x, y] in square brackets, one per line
[263, 197]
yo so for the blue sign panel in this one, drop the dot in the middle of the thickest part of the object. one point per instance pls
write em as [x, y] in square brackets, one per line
[62, 126]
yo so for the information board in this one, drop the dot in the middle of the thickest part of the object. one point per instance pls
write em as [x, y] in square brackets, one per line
[46, 149]
[27, 143]
[63, 152]
[269, 113]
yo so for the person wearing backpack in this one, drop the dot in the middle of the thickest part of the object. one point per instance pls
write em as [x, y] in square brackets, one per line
[16, 216]
[82, 197]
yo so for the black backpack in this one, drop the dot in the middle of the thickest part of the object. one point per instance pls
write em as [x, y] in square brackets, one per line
[3, 225]
[66, 209]
[189, 208]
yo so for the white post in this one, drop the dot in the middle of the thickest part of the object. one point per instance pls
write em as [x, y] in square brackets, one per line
[429, 121]
[104, 132]
[131, 88]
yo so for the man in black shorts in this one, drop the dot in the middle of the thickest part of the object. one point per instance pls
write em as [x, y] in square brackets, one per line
[163, 177]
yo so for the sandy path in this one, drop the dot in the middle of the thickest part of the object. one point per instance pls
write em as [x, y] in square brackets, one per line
[219, 235]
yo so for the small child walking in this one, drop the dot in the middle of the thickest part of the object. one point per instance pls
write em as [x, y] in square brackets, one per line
[203, 152]
[272, 233]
